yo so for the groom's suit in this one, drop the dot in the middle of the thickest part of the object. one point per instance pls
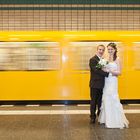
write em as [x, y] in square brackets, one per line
[97, 78]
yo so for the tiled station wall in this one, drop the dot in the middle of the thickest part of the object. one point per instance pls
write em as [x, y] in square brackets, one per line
[69, 17]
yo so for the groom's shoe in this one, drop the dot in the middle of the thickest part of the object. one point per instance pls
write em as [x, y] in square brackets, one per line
[98, 113]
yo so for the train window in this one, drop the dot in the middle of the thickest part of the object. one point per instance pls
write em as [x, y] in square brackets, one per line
[81, 52]
[43, 56]
[29, 56]
[12, 56]
[136, 51]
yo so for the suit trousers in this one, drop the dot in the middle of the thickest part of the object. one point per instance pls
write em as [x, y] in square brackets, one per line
[96, 100]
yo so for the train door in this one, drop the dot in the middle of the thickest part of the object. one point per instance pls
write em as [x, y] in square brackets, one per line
[133, 72]
[80, 53]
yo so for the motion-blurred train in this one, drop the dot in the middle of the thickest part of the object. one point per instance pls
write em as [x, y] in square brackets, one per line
[54, 66]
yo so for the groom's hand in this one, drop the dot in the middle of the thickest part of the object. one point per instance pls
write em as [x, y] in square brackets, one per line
[113, 74]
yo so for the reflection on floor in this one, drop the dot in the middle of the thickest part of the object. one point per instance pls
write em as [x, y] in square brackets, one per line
[62, 126]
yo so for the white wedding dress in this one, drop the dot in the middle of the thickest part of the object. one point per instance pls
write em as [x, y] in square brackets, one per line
[112, 114]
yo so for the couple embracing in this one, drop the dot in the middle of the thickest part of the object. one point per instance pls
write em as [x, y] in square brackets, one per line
[104, 89]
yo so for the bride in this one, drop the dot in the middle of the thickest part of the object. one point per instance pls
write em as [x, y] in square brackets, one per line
[112, 114]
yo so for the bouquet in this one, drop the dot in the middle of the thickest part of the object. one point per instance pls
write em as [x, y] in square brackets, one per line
[102, 63]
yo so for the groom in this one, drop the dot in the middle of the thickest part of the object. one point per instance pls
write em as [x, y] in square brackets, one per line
[97, 77]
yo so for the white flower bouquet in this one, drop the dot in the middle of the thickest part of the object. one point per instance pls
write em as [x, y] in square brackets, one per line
[102, 63]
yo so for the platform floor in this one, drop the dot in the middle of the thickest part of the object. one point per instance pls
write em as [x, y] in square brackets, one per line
[62, 123]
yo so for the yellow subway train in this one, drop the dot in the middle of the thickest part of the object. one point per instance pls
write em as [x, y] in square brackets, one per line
[55, 65]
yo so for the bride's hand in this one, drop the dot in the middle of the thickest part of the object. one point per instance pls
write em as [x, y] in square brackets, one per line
[105, 69]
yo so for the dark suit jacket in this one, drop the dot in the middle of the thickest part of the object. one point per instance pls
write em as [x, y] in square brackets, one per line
[97, 76]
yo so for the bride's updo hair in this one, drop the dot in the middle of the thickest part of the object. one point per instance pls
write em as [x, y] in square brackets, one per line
[113, 45]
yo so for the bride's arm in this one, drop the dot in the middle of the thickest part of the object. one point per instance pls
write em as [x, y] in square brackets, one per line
[118, 71]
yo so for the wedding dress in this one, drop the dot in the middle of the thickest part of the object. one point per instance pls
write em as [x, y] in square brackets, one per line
[112, 114]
